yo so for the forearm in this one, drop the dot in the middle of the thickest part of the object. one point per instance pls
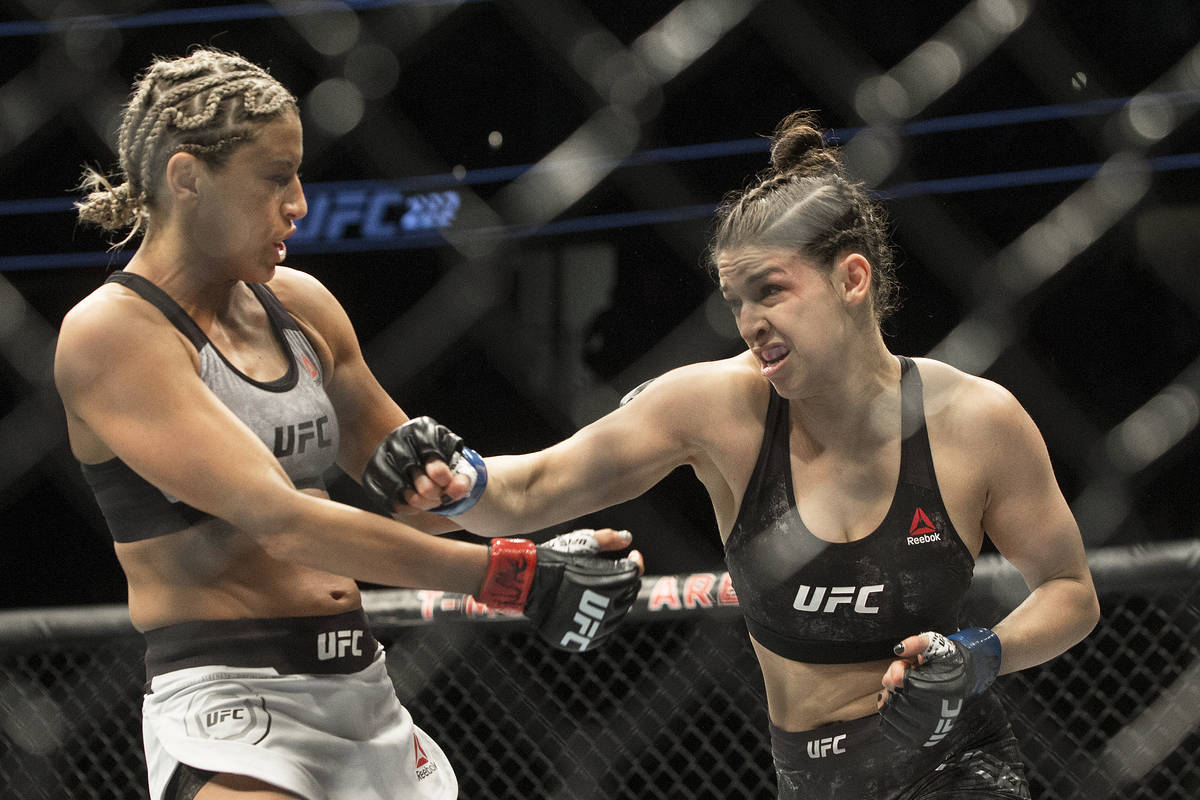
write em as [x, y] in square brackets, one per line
[338, 538]
[1055, 616]
[532, 492]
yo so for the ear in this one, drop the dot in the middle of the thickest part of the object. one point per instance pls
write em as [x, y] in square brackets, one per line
[182, 177]
[852, 273]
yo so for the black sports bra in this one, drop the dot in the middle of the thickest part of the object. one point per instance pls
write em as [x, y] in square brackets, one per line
[823, 602]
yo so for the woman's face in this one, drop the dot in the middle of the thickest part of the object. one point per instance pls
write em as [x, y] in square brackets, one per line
[788, 313]
[249, 205]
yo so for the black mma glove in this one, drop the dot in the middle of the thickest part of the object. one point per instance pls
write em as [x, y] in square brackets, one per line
[404, 452]
[923, 711]
[574, 599]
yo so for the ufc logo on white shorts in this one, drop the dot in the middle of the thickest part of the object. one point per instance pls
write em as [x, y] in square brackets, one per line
[335, 644]
[945, 723]
[588, 618]
[808, 598]
[819, 748]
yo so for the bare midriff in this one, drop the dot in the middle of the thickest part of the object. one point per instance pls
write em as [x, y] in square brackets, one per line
[213, 571]
[801, 697]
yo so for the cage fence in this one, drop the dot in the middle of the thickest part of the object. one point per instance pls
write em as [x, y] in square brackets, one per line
[672, 707]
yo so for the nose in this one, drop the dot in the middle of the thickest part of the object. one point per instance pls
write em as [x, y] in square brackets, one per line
[295, 206]
[751, 325]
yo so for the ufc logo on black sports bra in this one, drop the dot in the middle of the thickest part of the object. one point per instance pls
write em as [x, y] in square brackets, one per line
[826, 599]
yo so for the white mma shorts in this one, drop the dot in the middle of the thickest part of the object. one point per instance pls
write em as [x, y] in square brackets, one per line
[334, 736]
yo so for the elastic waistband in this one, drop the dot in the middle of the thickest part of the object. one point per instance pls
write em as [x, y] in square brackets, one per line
[837, 737]
[331, 644]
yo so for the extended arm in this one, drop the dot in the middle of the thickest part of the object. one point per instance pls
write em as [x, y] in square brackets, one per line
[614, 459]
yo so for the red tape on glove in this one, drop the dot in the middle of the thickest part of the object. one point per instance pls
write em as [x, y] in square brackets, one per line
[511, 566]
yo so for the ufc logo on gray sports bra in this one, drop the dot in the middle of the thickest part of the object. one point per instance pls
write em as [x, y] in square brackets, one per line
[809, 598]
[291, 439]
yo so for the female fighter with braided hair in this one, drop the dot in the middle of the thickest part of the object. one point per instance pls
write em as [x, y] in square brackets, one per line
[207, 391]
[852, 488]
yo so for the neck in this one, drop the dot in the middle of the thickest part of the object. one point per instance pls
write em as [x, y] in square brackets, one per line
[200, 288]
[855, 407]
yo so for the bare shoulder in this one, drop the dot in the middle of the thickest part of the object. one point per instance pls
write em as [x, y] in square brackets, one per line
[110, 328]
[960, 397]
[707, 403]
[975, 413]
[302, 294]
[726, 386]
[318, 312]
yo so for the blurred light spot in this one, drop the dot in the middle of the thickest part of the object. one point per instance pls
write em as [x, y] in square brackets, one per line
[1154, 428]
[93, 46]
[336, 106]
[1079, 81]
[872, 154]
[1150, 116]
[719, 317]
[373, 69]
[495, 140]
[330, 33]
[34, 724]
[881, 99]
[1122, 181]
[689, 31]
[458, 171]
[931, 69]
[13, 310]
[1100, 509]
[973, 346]
[1002, 16]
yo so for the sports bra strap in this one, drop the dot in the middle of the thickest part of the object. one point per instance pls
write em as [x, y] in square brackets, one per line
[164, 303]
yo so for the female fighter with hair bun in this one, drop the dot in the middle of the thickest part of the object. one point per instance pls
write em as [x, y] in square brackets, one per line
[852, 488]
[208, 389]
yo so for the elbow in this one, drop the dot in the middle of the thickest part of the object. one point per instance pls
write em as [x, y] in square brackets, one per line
[1092, 609]
[275, 523]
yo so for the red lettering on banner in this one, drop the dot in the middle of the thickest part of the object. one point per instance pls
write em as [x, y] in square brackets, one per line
[429, 600]
[474, 608]
[696, 590]
[726, 596]
[665, 594]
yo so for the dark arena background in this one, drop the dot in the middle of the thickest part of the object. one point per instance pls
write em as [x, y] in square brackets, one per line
[512, 200]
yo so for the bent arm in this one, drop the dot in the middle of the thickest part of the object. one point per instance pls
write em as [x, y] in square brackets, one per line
[150, 409]
[1029, 521]
[366, 412]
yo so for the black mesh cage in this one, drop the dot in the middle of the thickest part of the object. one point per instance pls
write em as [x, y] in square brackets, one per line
[673, 707]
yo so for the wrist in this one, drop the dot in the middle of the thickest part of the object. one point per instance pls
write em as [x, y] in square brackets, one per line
[511, 567]
[469, 463]
[983, 650]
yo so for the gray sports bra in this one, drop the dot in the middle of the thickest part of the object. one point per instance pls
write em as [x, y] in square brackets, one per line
[292, 415]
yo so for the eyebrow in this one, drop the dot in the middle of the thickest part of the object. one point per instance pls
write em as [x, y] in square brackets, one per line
[755, 275]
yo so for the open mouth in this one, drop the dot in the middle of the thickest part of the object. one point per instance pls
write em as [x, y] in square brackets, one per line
[772, 357]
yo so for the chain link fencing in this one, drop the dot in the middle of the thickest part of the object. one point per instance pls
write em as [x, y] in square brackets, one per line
[672, 708]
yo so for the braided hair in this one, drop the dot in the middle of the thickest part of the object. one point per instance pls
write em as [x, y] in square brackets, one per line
[805, 202]
[205, 103]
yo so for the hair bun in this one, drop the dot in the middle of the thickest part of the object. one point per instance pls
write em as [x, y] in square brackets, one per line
[798, 146]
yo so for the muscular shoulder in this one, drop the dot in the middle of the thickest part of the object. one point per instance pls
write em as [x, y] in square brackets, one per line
[303, 295]
[973, 414]
[318, 313]
[109, 332]
[705, 401]
[728, 385]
